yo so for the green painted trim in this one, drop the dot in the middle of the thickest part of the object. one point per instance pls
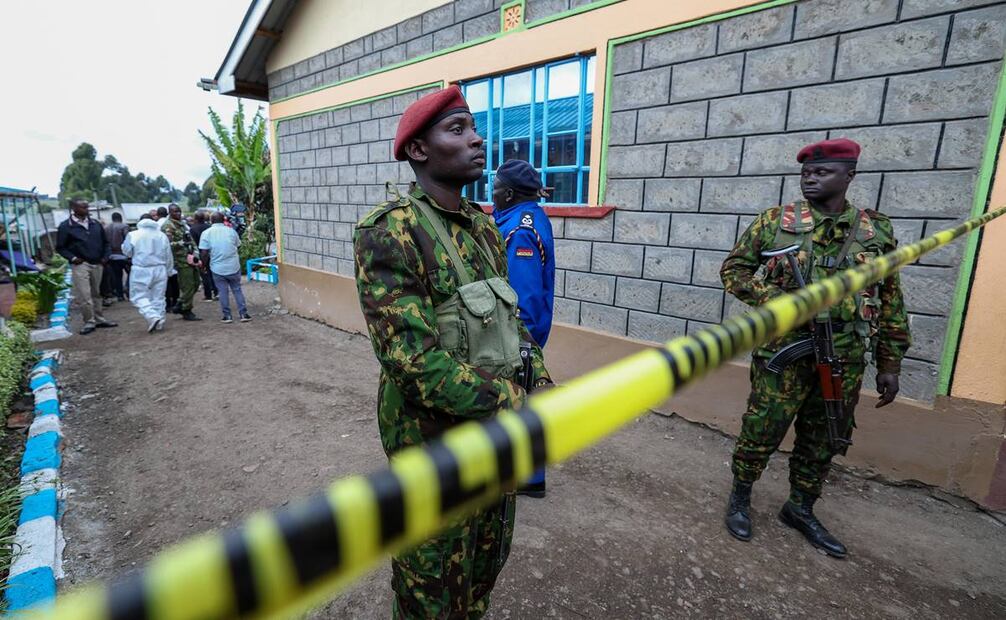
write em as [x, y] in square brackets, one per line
[586, 8]
[523, 14]
[397, 65]
[455, 48]
[609, 72]
[966, 274]
[280, 246]
[602, 165]
[439, 84]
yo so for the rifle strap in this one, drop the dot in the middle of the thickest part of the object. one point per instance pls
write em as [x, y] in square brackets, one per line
[849, 239]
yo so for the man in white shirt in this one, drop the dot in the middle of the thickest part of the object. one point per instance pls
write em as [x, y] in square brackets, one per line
[150, 251]
[218, 248]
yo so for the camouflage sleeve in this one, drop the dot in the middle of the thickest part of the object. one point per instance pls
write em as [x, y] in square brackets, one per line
[738, 270]
[539, 371]
[893, 337]
[402, 323]
[176, 235]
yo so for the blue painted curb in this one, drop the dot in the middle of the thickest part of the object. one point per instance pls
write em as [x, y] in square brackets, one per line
[41, 504]
[47, 407]
[41, 452]
[33, 573]
[31, 587]
[41, 380]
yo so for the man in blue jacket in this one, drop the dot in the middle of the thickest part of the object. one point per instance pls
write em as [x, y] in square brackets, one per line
[527, 235]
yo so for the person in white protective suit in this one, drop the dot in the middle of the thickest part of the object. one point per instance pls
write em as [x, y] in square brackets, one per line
[150, 251]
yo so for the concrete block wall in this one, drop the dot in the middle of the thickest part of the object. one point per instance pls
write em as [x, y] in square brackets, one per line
[446, 26]
[333, 166]
[706, 123]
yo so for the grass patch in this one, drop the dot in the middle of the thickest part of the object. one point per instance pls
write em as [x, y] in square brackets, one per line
[11, 446]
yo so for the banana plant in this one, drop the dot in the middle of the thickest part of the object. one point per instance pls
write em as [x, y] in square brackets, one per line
[240, 159]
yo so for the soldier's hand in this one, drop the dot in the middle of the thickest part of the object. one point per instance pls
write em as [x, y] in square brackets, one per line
[887, 385]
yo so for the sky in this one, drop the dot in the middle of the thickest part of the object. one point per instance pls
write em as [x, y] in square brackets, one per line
[120, 74]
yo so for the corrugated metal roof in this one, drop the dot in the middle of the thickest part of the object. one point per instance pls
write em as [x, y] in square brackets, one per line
[563, 115]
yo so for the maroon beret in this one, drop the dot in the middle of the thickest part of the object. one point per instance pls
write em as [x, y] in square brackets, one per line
[840, 149]
[425, 113]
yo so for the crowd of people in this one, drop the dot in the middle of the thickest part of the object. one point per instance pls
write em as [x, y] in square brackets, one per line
[160, 266]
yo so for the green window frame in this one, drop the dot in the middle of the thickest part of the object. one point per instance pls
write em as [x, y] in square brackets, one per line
[543, 115]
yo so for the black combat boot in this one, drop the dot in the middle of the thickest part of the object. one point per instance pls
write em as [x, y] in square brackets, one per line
[801, 518]
[738, 517]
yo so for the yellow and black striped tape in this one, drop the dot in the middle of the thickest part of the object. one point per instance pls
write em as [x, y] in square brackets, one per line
[285, 561]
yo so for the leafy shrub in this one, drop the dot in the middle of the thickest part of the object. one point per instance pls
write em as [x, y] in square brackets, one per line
[254, 245]
[25, 308]
[15, 353]
[44, 285]
[56, 261]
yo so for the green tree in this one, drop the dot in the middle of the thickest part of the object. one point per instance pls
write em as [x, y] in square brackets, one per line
[240, 160]
[193, 195]
[86, 177]
[208, 191]
[82, 177]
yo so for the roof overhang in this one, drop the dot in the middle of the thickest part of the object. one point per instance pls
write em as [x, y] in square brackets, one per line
[243, 73]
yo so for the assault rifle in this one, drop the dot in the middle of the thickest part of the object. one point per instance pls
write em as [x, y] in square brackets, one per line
[829, 368]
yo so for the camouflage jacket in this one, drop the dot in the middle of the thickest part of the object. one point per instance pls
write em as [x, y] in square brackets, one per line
[402, 275]
[880, 309]
[181, 241]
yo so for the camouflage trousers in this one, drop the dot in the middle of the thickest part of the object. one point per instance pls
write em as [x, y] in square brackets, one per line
[775, 400]
[452, 575]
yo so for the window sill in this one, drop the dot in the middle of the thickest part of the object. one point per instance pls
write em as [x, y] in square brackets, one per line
[586, 212]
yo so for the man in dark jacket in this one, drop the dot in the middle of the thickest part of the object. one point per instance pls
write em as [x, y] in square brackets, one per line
[118, 264]
[196, 230]
[83, 242]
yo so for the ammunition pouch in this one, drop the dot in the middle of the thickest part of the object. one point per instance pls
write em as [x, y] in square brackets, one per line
[478, 325]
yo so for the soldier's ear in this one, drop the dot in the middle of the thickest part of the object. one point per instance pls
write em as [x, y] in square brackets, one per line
[851, 172]
[416, 150]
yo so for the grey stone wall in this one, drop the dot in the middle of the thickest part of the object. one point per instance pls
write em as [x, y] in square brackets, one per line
[705, 126]
[706, 123]
[448, 25]
[332, 170]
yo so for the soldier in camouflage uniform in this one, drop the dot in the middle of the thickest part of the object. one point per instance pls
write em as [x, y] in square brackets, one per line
[182, 248]
[832, 235]
[408, 283]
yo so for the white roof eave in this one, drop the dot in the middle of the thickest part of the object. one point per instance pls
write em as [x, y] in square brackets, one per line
[226, 82]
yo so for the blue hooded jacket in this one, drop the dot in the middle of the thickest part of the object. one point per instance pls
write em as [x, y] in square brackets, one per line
[527, 234]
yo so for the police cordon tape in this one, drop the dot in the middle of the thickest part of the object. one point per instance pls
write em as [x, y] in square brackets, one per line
[286, 561]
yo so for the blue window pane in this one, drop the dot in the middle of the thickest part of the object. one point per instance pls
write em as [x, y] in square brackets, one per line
[477, 95]
[564, 187]
[563, 114]
[564, 80]
[481, 122]
[542, 115]
[562, 149]
[517, 149]
[517, 89]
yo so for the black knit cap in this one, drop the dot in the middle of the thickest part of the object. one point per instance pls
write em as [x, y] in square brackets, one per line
[519, 176]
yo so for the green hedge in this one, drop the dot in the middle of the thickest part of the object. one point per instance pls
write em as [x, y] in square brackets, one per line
[254, 245]
[15, 353]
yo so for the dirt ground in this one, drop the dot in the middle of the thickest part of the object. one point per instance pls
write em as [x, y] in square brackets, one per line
[191, 429]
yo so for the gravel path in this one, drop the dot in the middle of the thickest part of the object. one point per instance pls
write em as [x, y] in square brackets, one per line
[191, 429]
